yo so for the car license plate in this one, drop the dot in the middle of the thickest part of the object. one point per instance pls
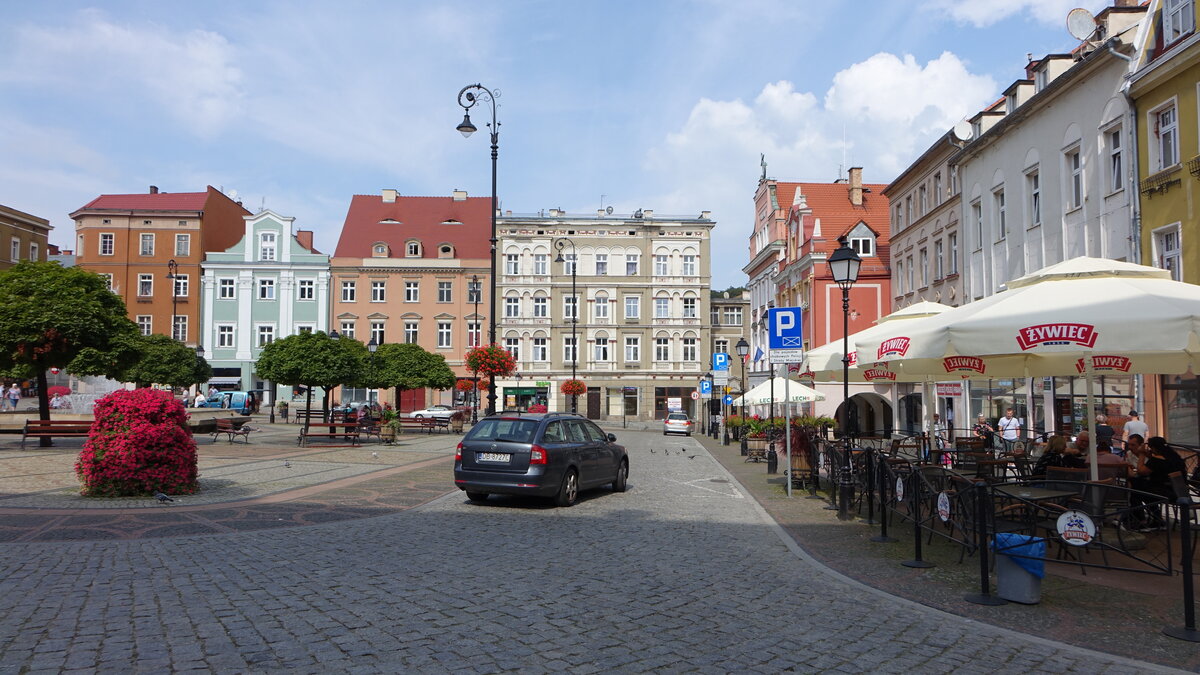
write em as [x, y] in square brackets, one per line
[493, 457]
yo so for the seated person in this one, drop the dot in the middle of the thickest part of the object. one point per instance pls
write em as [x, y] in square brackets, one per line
[1156, 461]
[1105, 456]
[1058, 454]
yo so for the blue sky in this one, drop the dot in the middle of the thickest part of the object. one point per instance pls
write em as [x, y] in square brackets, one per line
[662, 105]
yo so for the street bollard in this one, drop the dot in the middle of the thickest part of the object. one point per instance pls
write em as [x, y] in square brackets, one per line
[884, 487]
[915, 513]
[870, 482]
[1188, 630]
[984, 596]
[831, 459]
[772, 460]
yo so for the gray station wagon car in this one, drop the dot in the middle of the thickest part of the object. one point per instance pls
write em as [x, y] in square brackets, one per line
[540, 454]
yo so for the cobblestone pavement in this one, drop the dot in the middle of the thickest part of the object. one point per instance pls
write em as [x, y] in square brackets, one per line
[683, 573]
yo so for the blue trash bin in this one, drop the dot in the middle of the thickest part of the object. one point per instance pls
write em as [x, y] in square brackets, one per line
[1019, 579]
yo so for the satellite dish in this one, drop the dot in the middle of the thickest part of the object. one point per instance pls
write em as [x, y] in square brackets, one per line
[608, 210]
[233, 194]
[962, 131]
[1081, 24]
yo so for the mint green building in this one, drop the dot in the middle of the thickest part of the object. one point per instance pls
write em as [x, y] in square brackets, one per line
[269, 285]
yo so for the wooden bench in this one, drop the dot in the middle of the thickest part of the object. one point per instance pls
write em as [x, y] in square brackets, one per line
[300, 416]
[330, 430]
[427, 424]
[52, 428]
[227, 427]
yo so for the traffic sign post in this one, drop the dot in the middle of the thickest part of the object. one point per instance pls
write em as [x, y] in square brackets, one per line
[785, 334]
[706, 387]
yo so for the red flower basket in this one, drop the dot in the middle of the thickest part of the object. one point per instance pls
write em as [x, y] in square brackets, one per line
[491, 360]
[465, 385]
[573, 388]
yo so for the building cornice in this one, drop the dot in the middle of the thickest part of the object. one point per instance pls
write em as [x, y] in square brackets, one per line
[763, 256]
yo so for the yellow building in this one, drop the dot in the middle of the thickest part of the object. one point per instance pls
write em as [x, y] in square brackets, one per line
[24, 235]
[1166, 90]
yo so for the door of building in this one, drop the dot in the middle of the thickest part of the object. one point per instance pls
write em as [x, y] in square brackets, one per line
[593, 403]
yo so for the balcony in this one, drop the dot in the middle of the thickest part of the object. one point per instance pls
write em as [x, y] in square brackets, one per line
[1162, 181]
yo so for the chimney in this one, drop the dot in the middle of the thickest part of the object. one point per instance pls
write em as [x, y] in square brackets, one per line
[153, 189]
[856, 189]
[647, 213]
[389, 196]
[304, 238]
[706, 215]
[460, 195]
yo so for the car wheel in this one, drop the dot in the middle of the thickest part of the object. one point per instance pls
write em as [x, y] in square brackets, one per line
[569, 491]
[477, 496]
[619, 483]
[417, 417]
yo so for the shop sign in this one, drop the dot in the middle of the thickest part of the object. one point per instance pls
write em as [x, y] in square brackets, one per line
[949, 389]
[1076, 528]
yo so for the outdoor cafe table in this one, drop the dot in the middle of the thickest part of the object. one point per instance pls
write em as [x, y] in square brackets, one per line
[1035, 494]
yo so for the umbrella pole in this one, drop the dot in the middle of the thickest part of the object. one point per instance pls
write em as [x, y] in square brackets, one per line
[1088, 377]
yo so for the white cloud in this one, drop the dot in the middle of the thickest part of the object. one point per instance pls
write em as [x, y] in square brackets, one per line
[983, 13]
[192, 75]
[888, 107]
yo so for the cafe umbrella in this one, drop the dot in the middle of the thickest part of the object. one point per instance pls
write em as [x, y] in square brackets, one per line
[1080, 316]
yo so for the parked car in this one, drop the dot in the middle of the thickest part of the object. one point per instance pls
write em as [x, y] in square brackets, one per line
[441, 411]
[240, 401]
[677, 423]
[540, 454]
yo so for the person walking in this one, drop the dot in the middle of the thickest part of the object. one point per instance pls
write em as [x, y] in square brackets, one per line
[13, 395]
[1135, 425]
[1010, 430]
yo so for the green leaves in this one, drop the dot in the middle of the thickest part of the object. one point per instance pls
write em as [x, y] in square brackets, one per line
[162, 360]
[310, 359]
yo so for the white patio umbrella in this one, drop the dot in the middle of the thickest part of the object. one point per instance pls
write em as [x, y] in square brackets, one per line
[786, 391]
[1083, 315]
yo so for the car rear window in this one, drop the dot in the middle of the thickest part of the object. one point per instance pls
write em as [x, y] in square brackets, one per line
[510, 430]
[677, 416]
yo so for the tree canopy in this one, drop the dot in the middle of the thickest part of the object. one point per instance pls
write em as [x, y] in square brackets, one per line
[164, 360]
[62, 317]
[309, 359]
[408, 366]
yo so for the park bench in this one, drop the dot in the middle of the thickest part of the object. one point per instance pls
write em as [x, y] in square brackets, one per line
[227, 427]
[427, 424]
[302, 415]
[330, 430]
[53, 428]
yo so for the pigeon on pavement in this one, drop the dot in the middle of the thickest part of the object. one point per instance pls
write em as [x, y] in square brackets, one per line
[287, 464]
[162, 497]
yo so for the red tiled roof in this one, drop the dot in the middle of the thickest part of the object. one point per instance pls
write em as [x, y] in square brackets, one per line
[160, 201]
[418, 218]
[831, 203]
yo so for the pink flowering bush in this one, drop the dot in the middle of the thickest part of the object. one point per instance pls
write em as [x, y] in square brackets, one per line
[139, 444]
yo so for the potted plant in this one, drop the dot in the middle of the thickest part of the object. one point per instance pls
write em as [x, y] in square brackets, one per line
[387, 425]
[456, 421]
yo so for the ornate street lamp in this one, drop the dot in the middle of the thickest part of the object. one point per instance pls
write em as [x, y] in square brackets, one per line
[743, 348]
[559, 244]
[843, 267]
[172, 275]
[467, 98]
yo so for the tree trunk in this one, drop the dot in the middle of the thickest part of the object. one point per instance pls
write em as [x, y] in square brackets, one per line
[43, 402]
[307, 408]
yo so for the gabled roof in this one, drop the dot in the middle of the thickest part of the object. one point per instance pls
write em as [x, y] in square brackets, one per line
[831, 203]
[427, 219]
[159, 201]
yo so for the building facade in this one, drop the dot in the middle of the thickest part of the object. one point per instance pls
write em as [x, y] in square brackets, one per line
[821, 214]
[25, 236]
[1048, 180]
[773, 201]
[130, 239]
[269, 285]
[1166, 91]
[401, 274]
[621, 301]
[925, 237]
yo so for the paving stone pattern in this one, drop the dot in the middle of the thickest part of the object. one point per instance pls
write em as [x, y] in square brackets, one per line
[681, 574]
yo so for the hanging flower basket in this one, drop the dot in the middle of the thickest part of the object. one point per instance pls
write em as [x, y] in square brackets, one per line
[483, 385]
[491, 360]
[573, 388]
[465, 385]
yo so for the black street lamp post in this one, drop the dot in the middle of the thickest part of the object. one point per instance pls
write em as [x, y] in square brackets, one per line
[559, 244]
[474, 293]
[705, 409]
[843, 267]
[468, 97]
[172, 275]
[743, 348]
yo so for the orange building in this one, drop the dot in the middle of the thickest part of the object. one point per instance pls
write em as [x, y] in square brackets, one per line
[401, 273]
[131, 238]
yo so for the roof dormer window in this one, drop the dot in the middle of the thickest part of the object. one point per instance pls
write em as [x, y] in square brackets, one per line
[862, 240]
[412, 249]
[379, 250]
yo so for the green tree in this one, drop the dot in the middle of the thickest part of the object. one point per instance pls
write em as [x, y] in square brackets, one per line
[310, 360]
[163, 360]
[62, 317]
[408, 366]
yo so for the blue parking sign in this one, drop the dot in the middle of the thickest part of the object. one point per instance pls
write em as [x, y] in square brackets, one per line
[720, 361]
[784, 328]
[705, 387]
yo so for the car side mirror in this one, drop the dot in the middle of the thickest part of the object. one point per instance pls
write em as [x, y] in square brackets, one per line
[612, 438]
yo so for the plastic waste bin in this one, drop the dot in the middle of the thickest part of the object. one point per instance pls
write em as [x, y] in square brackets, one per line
[1019, 579]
